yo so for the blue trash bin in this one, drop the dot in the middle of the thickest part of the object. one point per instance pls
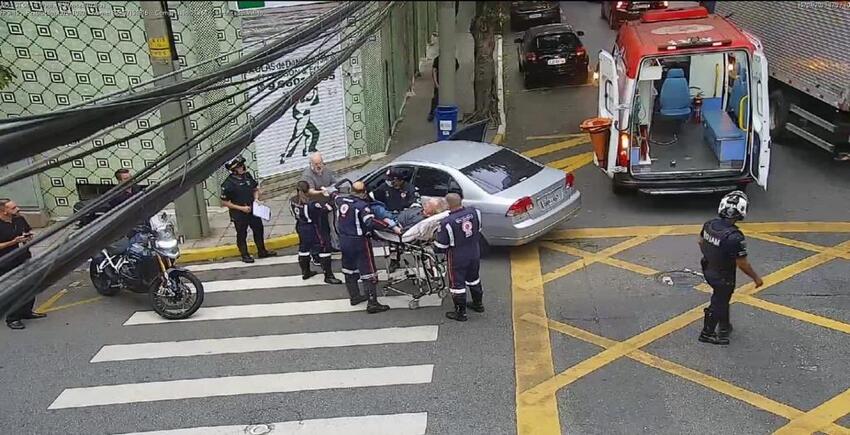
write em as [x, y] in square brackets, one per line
[446, 121]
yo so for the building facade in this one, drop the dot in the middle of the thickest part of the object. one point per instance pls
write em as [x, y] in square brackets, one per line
[67, 53]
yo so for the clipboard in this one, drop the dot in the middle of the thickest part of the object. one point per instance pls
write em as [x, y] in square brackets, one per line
[261, 211]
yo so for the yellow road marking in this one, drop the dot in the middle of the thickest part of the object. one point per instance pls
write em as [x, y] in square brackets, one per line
[637, 268]
[532, 348]
[685, 230]
[559, 136]
[572, 163]
[819, 418]
[800, 244]
[584, 262]
[694, 376]
[796, 314]
[51, 300]
[74, 304]
[557, 146]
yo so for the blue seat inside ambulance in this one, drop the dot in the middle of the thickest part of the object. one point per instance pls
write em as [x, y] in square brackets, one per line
[721, 129]
[675, 98]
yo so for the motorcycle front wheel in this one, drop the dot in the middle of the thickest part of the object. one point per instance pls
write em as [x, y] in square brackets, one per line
[179, 298]
[101, 281]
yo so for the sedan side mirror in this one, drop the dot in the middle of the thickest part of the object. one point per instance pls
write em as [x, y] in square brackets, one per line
[518, 40]
[580, 33]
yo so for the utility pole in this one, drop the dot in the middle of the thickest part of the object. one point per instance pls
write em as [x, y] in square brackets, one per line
[448, 52]
[191, 208]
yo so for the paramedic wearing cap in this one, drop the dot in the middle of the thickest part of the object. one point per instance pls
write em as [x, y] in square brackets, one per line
[458, 235]
[238, 193]
[723, 248]
[355, 222]
[397, 194]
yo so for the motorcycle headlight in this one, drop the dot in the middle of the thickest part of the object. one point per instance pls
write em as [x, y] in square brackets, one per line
[167, 245]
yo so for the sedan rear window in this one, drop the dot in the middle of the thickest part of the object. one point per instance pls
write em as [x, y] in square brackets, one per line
[556, 41]
[501, 170]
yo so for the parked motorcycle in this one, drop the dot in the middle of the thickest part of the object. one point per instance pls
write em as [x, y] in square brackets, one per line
[145, 263]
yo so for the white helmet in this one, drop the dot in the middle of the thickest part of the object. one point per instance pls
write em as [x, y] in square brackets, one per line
[733, 205]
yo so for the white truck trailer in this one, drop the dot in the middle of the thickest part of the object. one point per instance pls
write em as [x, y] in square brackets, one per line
[807, 45]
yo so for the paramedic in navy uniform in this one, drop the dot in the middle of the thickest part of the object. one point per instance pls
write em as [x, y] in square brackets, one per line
[723, 248]
[313, 233]
[355, 223]
[396, 194]
[458, 235]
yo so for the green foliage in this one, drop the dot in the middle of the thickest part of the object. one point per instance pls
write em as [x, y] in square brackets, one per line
[6, 76]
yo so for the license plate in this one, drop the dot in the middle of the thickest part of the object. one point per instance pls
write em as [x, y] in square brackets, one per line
[640, 6]
[533, 16]
[557, 61]
[550, 199]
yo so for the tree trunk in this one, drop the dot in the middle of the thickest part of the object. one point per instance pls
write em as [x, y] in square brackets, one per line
[483, 29]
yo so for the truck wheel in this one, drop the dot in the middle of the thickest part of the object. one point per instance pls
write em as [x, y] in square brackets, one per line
[778, 113]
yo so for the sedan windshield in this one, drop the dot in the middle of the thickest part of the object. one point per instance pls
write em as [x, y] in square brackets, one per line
[501, 170]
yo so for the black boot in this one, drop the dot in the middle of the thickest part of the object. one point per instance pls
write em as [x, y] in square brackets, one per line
[247, 258]
[354, 290]
[304, 262]
[329, 273]
[459, 312]
[707, 335]
[374, 306]
[723, 333]
[477, 297]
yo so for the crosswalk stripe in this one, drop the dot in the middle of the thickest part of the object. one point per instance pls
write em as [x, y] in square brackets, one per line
[391, 424]
[273, 261]
[230, 312]
[240, 385]
[283, 281]
[266, 343]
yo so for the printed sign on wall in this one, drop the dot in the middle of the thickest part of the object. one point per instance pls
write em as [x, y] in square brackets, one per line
[315, 123]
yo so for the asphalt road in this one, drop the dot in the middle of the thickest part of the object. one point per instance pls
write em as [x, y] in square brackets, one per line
[789, 352]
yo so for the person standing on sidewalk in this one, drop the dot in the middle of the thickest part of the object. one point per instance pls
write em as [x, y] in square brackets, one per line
[435, 76]
[15, 230]
[319, 177]
[459, 236]
[238, 193]
[313, 237]
[723, 248]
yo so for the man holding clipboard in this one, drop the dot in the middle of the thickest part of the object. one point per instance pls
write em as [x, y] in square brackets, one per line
[240, 194]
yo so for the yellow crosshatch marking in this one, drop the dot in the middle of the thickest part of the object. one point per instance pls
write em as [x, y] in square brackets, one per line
[534, 400]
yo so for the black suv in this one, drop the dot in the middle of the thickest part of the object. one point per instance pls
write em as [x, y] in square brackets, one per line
[552, 50]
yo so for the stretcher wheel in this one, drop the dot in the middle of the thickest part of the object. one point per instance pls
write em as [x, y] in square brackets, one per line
[442, 294]
[414, 304]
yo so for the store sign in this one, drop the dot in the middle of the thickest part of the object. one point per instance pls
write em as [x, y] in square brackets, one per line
[316, 123]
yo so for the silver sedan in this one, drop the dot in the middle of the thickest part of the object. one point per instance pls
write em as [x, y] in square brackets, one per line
[520, 199]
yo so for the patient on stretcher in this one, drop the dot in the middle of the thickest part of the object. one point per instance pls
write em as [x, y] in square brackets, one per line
[419, 223]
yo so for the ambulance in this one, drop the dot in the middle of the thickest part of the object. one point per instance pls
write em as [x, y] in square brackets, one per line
[686, 95]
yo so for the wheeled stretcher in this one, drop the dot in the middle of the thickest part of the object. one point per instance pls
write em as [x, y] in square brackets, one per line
[420, 264]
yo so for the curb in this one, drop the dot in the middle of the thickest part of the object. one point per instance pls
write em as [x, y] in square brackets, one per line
[500, 89]
[225, 251]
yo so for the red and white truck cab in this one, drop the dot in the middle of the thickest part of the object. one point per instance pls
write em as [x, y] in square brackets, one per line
[687, 93]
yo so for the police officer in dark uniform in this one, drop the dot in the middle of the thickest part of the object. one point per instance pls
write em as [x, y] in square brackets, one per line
[354, 223]
[397, 195]
[459, 236]
[723, 248]
[314, 235]
[238, 193]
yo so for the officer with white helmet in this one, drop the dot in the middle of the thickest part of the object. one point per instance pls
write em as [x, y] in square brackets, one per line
[723, 248]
